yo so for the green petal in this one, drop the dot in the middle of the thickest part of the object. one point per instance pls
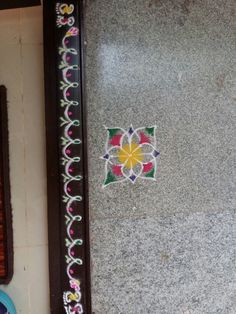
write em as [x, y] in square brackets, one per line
[151, 174]
[113, 131]
[110, 178]
[150, 131]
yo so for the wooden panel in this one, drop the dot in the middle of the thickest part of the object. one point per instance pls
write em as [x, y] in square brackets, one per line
[68, 216]
[11, 4]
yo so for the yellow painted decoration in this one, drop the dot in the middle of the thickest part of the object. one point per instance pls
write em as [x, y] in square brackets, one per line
[130, 155]
[73, 297]
[67, 9]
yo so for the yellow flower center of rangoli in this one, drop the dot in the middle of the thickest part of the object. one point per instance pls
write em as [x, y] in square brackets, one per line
[130, 155]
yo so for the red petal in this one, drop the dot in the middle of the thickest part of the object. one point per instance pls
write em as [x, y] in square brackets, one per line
[116, 170]
[147, 167]
[143, 138]
[115, 141]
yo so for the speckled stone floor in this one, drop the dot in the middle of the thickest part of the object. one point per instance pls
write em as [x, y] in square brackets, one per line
[164, 247]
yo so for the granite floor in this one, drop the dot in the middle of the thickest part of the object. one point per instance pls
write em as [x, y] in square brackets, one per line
[166, 246]
[165, 264]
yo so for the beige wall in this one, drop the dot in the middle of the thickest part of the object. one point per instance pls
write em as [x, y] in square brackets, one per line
[21, 70]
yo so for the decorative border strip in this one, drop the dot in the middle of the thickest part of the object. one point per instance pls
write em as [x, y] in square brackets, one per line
[67, 188]
[70, 156]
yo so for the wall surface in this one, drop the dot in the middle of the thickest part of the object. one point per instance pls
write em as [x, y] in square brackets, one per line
[21, 70]
[164, 247]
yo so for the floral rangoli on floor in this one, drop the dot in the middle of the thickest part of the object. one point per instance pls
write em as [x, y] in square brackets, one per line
[130, 154]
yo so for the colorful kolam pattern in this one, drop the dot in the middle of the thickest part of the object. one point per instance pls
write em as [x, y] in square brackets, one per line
[130, 154]
[70, 144]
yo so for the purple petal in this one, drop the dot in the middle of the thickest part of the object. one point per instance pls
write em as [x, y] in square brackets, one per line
[155, 153]
[131, 131]
[133, 177]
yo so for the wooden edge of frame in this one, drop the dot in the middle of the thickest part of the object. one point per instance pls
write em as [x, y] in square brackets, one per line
[5, 169]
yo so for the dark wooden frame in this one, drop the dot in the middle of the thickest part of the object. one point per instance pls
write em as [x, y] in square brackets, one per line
[56, 209]
[12, 4]
[5, 173]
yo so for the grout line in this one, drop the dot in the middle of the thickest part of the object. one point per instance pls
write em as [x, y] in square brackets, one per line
[153, 214]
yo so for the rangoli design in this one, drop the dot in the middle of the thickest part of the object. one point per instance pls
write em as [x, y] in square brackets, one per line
[130, 154]
[70, 159]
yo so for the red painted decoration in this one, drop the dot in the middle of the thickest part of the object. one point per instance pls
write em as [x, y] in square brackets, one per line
[115, 141]
[147, 167]
[144, 138]
[117, 170]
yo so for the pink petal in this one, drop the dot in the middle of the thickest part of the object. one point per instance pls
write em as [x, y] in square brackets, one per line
[73, 31]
